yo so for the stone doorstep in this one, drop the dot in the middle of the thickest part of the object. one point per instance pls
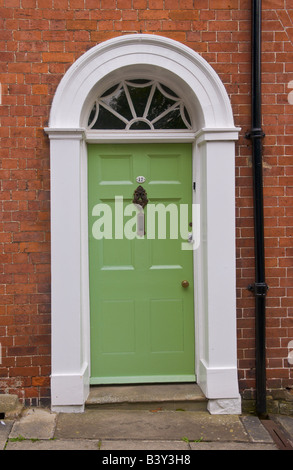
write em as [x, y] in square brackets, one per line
[163, 396]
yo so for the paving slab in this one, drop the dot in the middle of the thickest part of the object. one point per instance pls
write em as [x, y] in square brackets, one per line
[232, 446]
[5, 429]
[35, 423]
[286, 423]
[143, 445]
[147, 425]
[28, 444]
[256, 430]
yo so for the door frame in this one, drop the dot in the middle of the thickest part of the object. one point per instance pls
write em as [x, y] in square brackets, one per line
[213, 141]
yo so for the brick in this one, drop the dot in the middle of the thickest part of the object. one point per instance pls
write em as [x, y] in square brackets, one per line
[175, 25]
[40, 381]
[171, 4]
[184, 15]
[24, 371]
[223, 26]
[81, 24]
[40, 89]
[156, 4]
[125, 26]
[153, 14]
[57, 57]
[19, 67]
[31, 247]
[124, 4]
[224, 4]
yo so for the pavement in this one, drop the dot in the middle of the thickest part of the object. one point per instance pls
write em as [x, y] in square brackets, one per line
[113, 430]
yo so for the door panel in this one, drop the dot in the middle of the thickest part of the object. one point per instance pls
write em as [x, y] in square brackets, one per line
[142, 324]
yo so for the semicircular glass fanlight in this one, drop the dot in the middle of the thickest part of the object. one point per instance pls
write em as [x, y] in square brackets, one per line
[139, 105]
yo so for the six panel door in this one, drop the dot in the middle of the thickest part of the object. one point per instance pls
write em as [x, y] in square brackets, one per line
[142, 320]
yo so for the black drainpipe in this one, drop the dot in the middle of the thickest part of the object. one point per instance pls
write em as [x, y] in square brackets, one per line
[259, 288]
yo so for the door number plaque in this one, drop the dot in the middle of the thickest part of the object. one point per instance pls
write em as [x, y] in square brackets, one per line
[140, 179]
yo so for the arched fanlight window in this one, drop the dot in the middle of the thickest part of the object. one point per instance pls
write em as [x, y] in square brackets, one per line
[139, 105]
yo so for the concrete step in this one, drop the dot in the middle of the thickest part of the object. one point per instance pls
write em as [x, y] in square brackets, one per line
[183, 396]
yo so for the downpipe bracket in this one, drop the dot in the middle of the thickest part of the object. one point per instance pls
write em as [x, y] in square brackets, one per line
[255, 133]
[259, 289]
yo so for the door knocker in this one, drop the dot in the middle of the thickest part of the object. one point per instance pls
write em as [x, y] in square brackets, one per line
[140, 199]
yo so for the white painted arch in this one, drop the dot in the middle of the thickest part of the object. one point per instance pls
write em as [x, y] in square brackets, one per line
[213, 137]
[139, 52]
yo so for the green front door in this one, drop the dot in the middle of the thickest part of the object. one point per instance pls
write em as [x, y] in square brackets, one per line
[142, 322]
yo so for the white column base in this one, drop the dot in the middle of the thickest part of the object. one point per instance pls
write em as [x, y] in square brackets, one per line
[67, 409]
[70, 391]
[225, 406]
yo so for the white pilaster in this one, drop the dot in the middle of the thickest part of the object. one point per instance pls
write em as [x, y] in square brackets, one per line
[217, 356]
[69, 377]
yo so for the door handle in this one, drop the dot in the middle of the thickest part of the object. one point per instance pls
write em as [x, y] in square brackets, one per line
[184, 284]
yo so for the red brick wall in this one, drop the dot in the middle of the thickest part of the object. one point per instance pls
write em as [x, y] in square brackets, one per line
[39, 40]
[278, 202]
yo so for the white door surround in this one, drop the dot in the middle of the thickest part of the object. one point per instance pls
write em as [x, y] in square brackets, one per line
[213, 137]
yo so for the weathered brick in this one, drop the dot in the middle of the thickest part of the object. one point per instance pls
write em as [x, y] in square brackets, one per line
[57, 57]
[40, 381]
[184, 15]
[223, 4]
[81, 24]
